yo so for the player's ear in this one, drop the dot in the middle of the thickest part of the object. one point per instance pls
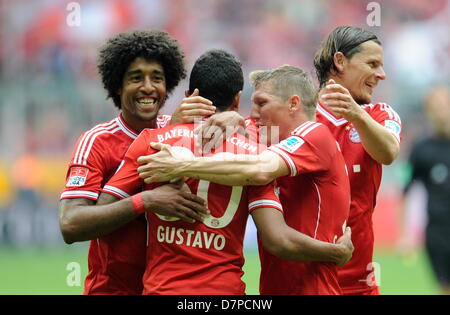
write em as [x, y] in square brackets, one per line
[237, 101]
[295, 103]
[339, 61]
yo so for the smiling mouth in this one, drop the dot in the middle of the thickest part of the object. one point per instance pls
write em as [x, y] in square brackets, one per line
[146, 101]
[371, 87]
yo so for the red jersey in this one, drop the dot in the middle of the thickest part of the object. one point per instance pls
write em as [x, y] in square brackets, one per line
[316, 202]
[365, 177]
[194, 258]
[116, 261]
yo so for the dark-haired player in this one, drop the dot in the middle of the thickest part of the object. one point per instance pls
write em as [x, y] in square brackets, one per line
[310, 176]
[138, 69]
[206, 257]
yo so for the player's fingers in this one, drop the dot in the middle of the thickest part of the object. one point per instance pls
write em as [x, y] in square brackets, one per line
[197, 105]
[197, 113]
[177, 182]
[144, 159]
[197, 100]
[348, 231]
[337, 111]
[336, 103]
[196, 92]
[144, 174]
[181, 213]
[153, 179]
[190, 209]
[159, 146]
[193, 198]
[145, 169]
[335, 96]
[196, 211]
[335, 88]
[213, 143]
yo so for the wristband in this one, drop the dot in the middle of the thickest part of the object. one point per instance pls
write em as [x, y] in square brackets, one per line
[138, 203]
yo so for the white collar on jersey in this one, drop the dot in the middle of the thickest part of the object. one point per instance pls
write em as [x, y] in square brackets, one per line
[328, 115]
[125, 128]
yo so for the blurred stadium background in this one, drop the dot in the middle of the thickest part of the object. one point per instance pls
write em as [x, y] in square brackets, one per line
[50, 93]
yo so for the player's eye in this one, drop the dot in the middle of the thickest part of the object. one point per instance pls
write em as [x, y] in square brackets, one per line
[135, 78]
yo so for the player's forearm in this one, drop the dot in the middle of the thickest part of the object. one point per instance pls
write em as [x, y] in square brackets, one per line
[86, 222]
[378, 142]
[300, 247]
[233, 170]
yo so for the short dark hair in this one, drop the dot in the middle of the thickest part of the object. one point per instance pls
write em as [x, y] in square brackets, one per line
[218, 76]
[121, 50]
[344, 39]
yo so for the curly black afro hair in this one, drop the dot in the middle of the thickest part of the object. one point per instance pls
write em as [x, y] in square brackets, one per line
[121, 50]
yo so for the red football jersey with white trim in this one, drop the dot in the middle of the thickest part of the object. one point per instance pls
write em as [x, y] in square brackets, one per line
[198, 258]
[316, 202]
[117, 260]
[365, 177]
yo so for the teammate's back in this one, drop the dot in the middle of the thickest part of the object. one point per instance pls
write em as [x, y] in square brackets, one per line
[201, 257]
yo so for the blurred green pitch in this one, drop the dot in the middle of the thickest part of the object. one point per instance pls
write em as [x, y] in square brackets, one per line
[43, 271]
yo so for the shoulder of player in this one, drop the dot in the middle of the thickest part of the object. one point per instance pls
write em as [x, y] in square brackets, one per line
[109, 129]
[311, 130]
[374, 109]
[318, 136]
[101, 136]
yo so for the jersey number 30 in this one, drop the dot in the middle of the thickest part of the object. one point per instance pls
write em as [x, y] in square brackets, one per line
[211, 221]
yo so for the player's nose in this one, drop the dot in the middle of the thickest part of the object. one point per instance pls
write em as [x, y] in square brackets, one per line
[254, 114]
[381, 75]
[147, 86]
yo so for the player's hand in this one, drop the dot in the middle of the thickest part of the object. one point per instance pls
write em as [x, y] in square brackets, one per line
[162, 166]
[345, 242]
[175, 200]
[219, 127]
[192, 107]
[339, 101]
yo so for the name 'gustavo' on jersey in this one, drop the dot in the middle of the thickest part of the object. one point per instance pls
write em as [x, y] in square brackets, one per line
[192, 238]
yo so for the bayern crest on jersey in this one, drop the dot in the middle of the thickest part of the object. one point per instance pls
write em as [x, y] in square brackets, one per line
[354, 136]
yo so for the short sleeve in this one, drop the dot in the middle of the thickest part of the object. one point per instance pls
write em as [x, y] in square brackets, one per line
[86, 168]
[263, 197]
[387, 117]
[308, 151]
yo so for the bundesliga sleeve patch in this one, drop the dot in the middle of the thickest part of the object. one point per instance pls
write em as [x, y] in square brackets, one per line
[393, 126]
[291, 144]
[77, 176]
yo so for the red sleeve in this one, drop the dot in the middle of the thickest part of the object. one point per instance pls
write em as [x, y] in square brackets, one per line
[263, 197]
[307, 152]
[126, 181]
[86, 168]
[387, 117]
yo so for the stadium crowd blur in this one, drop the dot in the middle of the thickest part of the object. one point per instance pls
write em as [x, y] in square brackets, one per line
[50, 90]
